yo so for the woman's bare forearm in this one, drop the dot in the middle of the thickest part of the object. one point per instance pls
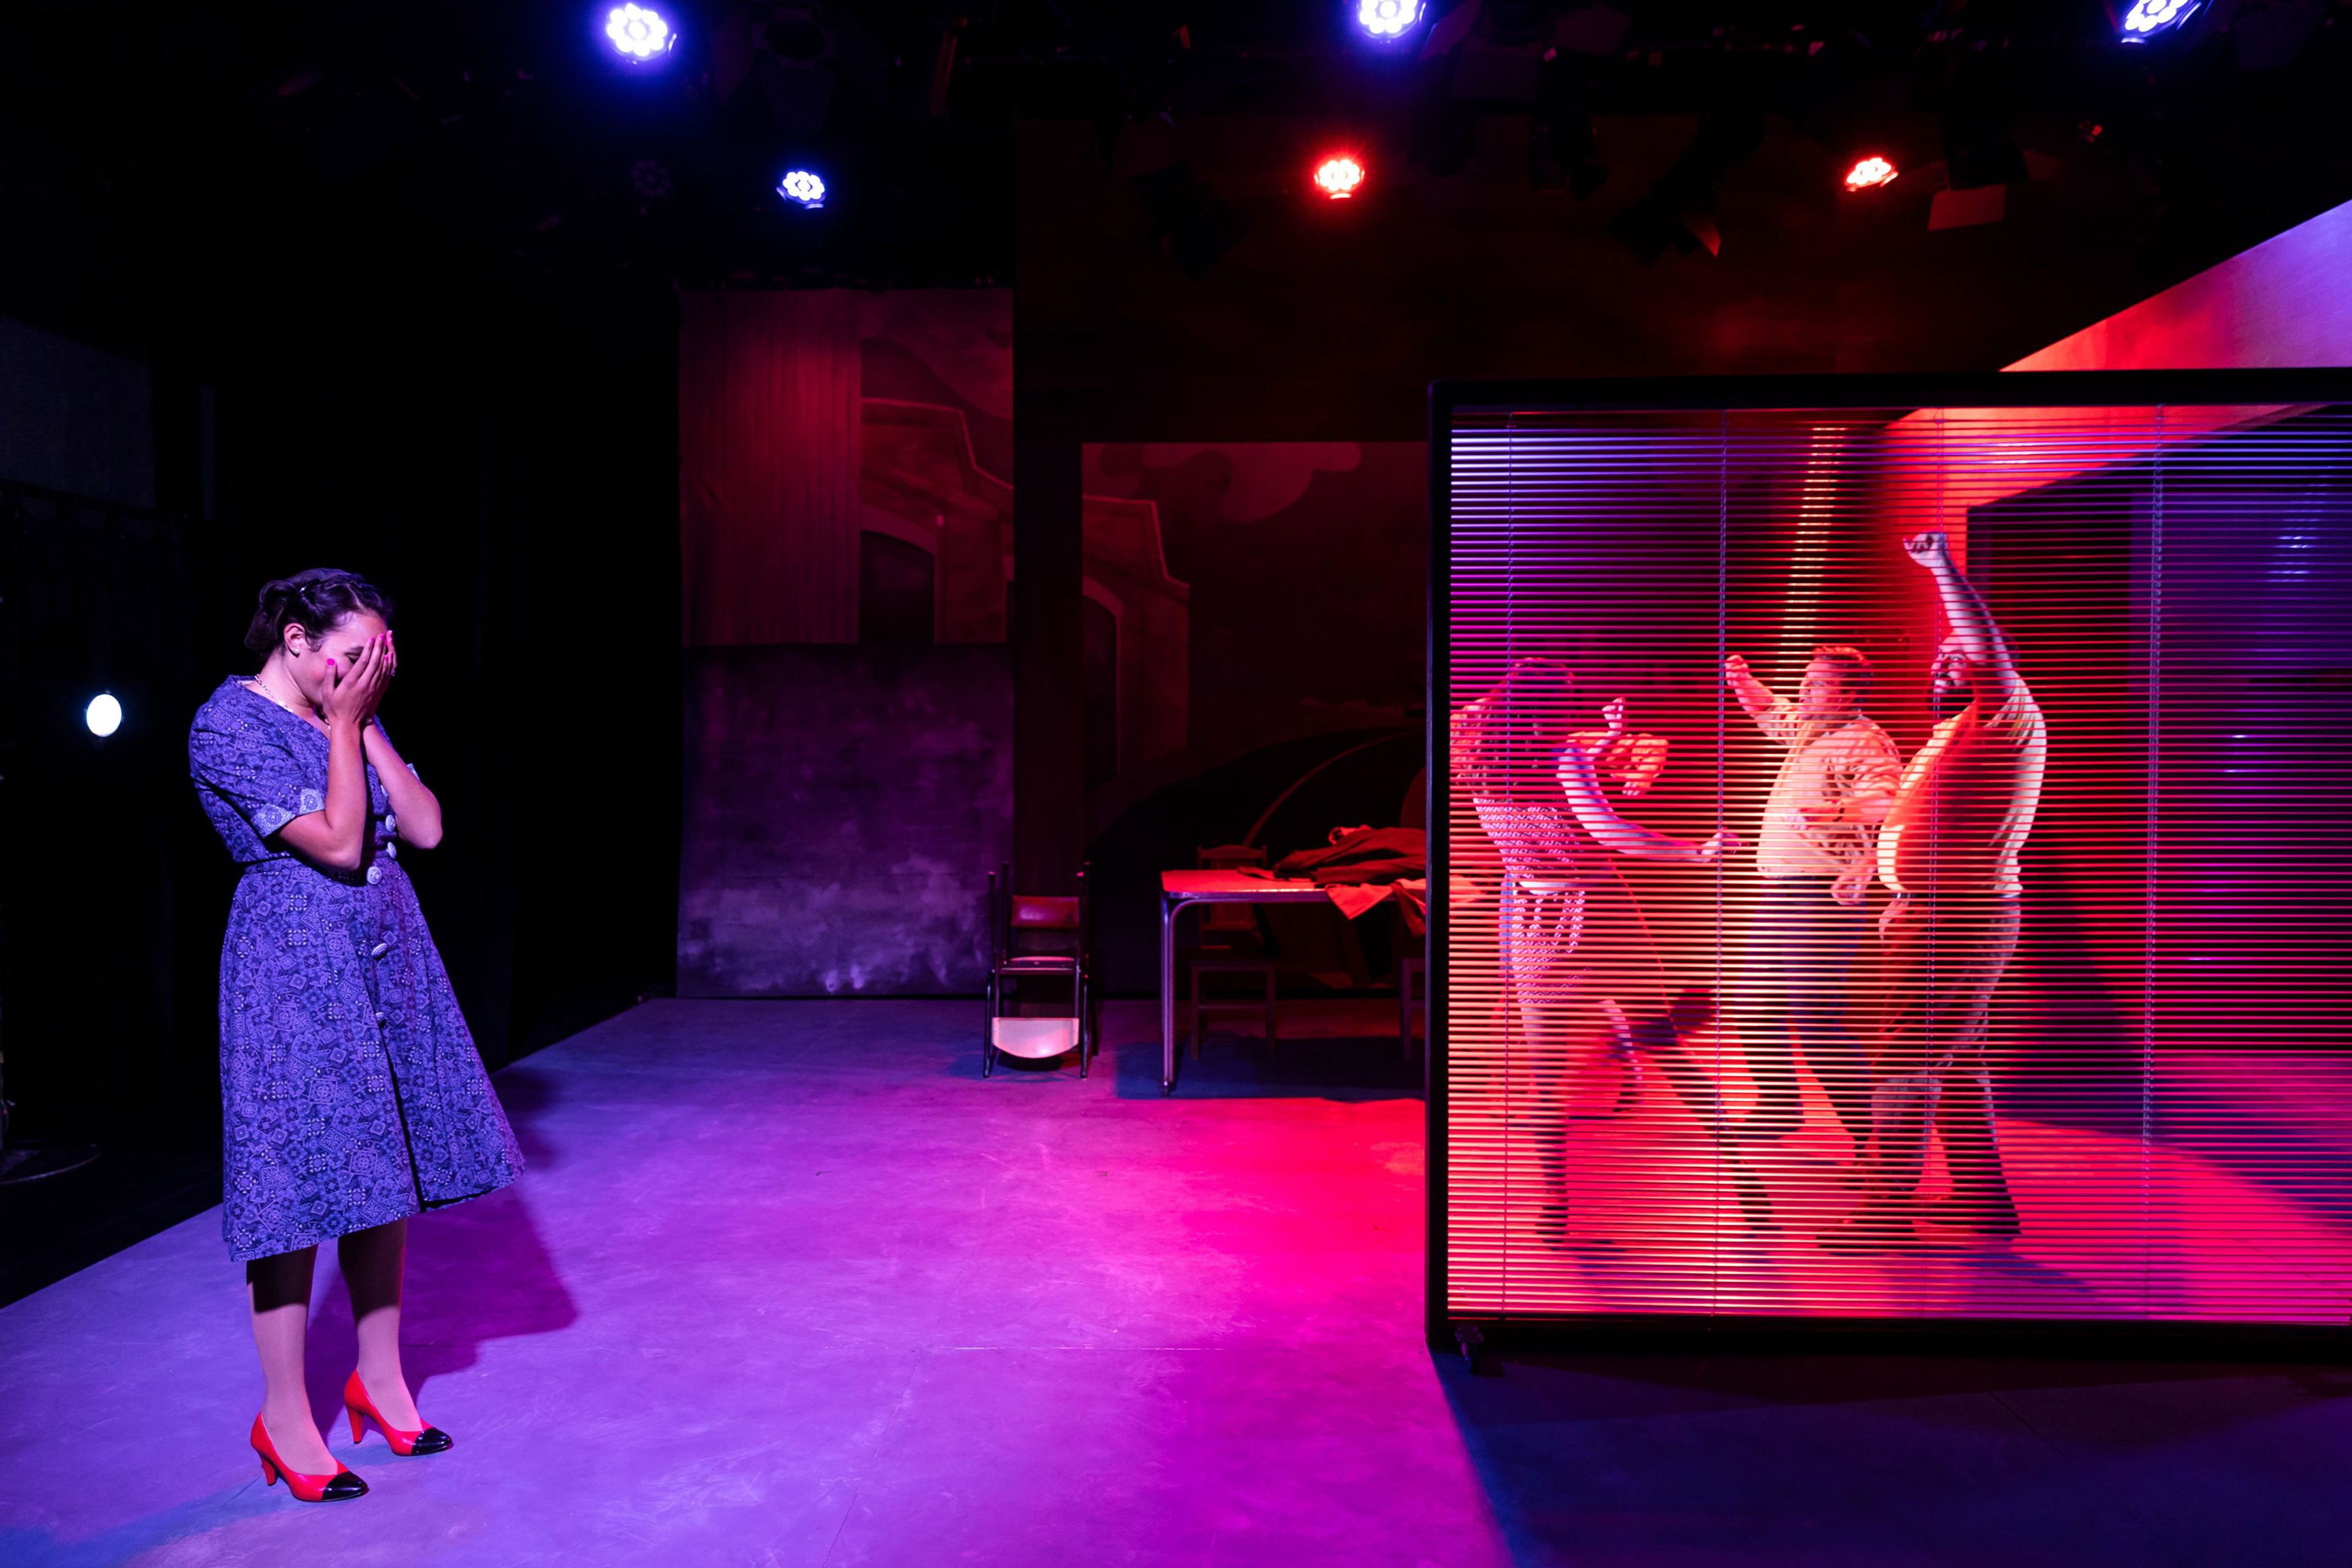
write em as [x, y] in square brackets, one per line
[336, 836]
[1777, 719]
[1581, 783]
[1970, 620]
[415, 810]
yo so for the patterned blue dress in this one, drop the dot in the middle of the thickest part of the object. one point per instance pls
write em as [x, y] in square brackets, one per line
[351, 1091]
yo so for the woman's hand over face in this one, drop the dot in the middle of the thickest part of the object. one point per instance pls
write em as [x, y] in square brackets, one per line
[352, 694]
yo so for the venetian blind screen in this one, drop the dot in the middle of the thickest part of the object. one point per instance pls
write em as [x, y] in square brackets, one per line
[1898, 863]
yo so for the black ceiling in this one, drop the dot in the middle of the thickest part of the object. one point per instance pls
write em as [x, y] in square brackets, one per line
[160, 145]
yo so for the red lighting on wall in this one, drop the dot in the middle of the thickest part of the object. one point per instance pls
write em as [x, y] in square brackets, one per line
[1869, 173]
[1340, 177]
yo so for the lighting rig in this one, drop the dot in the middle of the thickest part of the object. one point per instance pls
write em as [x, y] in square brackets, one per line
[873, 111]
[639, 33]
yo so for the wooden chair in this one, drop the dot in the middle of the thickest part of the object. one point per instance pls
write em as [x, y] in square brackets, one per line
[1035, 936]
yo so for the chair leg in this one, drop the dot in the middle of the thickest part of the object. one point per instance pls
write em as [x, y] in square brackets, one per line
[1196, 1014]
[1081, 984]
[988, 1033]
[1272, 1019]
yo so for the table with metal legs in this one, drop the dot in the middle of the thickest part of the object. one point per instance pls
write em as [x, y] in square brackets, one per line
[1179, 892]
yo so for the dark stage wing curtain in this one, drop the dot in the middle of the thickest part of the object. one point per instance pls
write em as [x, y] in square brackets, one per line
[768, 524]
[503, 467]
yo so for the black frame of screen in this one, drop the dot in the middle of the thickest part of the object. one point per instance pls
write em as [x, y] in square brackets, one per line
[1445, 1331]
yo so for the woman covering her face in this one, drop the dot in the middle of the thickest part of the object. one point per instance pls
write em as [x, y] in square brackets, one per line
[352, 1095]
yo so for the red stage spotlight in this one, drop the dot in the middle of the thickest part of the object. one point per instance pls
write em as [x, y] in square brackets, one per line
[1869, 173]
[1338, 176]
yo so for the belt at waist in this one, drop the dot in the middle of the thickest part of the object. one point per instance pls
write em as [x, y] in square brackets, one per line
[291, 865]
[277, 863]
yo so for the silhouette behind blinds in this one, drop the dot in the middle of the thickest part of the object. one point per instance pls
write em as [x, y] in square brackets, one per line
[1897, 857]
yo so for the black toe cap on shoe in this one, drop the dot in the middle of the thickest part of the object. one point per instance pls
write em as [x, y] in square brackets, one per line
[432, 1440]
[344, 1487]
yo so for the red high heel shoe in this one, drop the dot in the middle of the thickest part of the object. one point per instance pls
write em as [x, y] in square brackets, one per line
[341, 1486]
[423, 1440]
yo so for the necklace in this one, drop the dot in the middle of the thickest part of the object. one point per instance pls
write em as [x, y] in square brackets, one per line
[262, 687]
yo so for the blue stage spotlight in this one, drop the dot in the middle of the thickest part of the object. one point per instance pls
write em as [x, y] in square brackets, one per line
[1386, 19]
[2149, 17]
[640, 32]
[802, 188]
[104, 715]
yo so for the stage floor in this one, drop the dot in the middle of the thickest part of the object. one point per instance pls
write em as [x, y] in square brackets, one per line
[789, 1283]
[2239, 1210]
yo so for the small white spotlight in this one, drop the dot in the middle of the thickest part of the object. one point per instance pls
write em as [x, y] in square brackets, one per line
[802, 187]
[640, 31]
[2149, 17]
[104, 715]
[1387, 18]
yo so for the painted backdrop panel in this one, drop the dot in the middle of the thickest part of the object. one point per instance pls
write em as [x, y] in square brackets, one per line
[1253, 672]
[843, 807]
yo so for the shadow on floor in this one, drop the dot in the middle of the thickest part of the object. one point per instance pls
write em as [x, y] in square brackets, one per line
[1759, 1459]
[1343, 1068]
[477, 1270]
[1338, 1049]
[1337, 1068]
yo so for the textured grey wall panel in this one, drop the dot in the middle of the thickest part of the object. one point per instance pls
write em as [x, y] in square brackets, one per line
[843, 807]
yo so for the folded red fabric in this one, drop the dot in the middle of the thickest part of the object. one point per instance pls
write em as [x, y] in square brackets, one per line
[1365, 855]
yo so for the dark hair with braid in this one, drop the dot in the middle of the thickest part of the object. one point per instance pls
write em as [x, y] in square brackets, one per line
[317, 601]
[1511, 751]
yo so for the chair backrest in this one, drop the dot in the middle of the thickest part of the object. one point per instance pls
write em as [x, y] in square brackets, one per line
[1222, 920]
[1036, 912]
[1011, 914]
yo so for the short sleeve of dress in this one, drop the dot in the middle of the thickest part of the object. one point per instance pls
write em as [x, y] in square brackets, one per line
[254, 774]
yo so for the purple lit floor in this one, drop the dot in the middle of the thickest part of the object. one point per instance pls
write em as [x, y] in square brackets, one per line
[789, 1284]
